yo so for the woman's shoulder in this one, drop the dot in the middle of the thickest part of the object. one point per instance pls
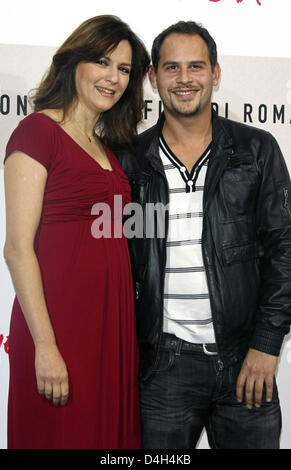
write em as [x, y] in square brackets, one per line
[35, 136]
[45, 118]
[55, 115]
[36, 123]
[41, 126]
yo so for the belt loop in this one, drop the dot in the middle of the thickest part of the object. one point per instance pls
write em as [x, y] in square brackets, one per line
[179, 347]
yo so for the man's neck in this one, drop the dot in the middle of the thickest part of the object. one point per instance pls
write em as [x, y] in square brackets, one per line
[188, 137]
[185, 130]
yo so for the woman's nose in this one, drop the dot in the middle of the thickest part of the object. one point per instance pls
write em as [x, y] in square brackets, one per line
[112, 74]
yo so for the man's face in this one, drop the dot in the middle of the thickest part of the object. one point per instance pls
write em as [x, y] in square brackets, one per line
[184, 77]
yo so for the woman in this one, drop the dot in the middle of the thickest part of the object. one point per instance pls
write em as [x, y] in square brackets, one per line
[73, 351]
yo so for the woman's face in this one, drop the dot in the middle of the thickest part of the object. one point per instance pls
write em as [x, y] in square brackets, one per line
[101, 84]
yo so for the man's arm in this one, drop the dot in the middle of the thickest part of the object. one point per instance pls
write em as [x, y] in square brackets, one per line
[273, 318]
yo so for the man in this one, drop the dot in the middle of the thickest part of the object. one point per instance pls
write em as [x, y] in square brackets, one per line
[213, 296]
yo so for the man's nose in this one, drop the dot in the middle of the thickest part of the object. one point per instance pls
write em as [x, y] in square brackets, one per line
[184, 75]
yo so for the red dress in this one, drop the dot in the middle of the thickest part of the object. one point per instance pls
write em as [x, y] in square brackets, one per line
[88, 289]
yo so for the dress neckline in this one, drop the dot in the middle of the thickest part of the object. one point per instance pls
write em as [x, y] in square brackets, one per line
[81, 148]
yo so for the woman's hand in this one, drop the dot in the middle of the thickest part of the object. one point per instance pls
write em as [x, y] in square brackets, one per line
[51, 374]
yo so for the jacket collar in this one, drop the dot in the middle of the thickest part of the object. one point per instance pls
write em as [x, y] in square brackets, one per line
[152, 152]
[221, 140]
[220, 136]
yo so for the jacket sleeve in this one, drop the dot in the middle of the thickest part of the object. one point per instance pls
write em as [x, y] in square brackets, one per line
[273, 220]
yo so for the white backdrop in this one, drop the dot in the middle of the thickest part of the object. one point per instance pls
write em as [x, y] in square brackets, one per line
[254, 51]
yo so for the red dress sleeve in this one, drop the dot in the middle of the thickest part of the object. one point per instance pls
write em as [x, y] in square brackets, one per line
[34, 136]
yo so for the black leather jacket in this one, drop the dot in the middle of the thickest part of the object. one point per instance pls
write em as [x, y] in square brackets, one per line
[246, 241]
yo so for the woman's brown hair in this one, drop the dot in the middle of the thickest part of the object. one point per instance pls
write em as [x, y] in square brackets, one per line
[89, 42]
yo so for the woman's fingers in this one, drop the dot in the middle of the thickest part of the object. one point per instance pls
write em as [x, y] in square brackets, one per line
[56, 395]
[52, 375]
[40, 386]
[64, 392]
[48, 390]
[56, 392]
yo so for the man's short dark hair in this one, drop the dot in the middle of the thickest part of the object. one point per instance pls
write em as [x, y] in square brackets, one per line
[184, 27]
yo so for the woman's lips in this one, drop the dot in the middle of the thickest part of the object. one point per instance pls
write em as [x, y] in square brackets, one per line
[105, 91]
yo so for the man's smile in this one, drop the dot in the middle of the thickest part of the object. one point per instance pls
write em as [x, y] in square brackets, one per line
[184, 92]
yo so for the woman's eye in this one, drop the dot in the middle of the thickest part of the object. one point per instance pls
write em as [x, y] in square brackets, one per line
[101, 62]
[124, 70]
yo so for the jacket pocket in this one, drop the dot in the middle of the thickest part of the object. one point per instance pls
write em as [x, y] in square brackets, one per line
[241, 253]
[241, 168]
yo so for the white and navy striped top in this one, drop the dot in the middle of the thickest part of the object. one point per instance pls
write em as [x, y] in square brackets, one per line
[187, 311]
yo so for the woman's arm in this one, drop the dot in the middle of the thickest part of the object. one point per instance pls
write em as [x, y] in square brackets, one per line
[25, 181]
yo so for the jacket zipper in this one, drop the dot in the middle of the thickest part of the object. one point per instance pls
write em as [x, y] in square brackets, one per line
[286, 203]
[219, 361]
[164, 270]
[163, 274]
[137, 287]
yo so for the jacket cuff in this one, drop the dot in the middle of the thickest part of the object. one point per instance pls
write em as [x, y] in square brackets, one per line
[267, 341]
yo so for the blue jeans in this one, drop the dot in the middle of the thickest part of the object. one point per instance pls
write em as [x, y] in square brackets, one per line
[189, 392]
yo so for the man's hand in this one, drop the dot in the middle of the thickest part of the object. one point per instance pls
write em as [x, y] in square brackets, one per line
[258, 369]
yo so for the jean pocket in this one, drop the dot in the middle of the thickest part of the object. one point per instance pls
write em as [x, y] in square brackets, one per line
[165, 361]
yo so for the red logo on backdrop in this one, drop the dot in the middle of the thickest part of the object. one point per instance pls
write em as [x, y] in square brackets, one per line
[237, 1]
[4, 344]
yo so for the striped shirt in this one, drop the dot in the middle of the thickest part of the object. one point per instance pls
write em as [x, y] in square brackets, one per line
[187, 312]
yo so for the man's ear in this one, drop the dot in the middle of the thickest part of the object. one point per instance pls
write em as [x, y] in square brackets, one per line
[152, 76]
[216, 74]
